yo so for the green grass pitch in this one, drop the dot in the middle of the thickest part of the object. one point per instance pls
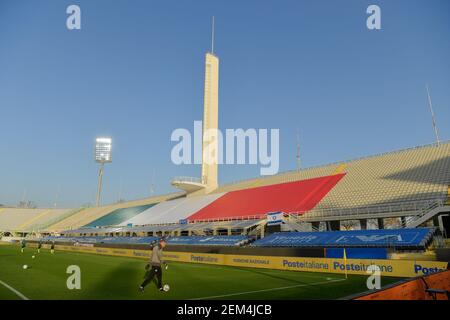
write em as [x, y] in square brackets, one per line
[107, 277]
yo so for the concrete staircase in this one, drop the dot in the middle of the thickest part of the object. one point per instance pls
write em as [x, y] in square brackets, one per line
[427, 214]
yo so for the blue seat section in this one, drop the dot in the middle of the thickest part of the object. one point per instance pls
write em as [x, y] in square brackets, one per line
[118, 216]
[93, 240]
[194, 240]
[205, 240]
[398, 238]
[357, 253]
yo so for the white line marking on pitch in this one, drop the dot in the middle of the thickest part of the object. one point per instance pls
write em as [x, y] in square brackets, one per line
[265, 290]
[20, 295]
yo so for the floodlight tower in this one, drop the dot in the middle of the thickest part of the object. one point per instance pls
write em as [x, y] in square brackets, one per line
[102, 155]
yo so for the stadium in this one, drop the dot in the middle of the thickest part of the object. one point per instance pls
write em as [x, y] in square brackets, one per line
[405, 230]
[317, 232]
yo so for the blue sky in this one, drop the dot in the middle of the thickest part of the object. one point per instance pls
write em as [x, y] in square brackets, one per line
[135, 72]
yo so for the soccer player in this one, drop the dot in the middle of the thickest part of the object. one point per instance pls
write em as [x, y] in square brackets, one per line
[154, 266]
[39, 247]
[22, 245]
[52, 247]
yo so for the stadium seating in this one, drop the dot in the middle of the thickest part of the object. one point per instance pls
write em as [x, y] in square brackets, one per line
[87, 215]
[172, 211]
[404, 176]
[118, 216]
[193, 240]
[289, 176]
[234, 225]
[213, 240]
[163, 229]
[418, 238]
[287, 197]
[396, 238]
[58, 218]
[81, 218]
[98, 240]
[15, 219]
[255, 202]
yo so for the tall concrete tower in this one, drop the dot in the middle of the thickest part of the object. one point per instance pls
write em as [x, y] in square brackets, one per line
[208, 181]
[210, 123]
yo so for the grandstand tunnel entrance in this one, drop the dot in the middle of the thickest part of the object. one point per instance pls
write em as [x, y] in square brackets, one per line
[363, 224]
[272, 229]
[334, 225]
[445, 224]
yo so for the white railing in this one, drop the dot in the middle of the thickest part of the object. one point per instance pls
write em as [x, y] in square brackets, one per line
[409, 220]
[297, 221]
[414, 208]
[186, 179]
[236, 218]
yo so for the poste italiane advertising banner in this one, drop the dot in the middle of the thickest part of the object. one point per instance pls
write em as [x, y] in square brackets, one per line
[392, 268]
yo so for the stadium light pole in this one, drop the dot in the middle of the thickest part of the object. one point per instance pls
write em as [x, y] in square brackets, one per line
[299, 164]
[433, 118]
[102, 155]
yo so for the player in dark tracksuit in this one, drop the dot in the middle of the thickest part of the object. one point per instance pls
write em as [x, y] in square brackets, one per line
[154, 266]
[23, 244]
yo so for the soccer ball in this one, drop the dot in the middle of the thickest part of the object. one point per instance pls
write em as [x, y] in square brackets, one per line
[166, 287]
[25, 267]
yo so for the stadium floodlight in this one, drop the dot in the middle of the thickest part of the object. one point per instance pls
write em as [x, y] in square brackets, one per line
[102, 155]
[103, 150]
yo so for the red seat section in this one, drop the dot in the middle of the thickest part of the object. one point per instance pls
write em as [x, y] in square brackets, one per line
[298, 196]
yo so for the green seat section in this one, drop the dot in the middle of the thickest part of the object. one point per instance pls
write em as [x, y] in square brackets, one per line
[118, 216]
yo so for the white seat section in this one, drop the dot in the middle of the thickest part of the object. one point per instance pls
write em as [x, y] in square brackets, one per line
[87, 215]
[173, 211]
[45, 217]
[12, 219]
